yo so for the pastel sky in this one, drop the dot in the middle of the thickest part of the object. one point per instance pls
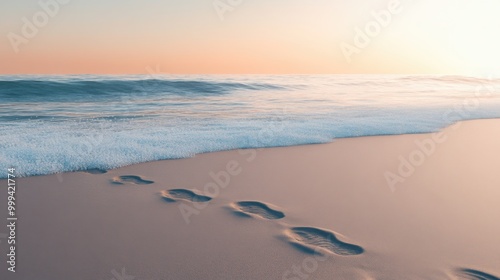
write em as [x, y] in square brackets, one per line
[250, 36]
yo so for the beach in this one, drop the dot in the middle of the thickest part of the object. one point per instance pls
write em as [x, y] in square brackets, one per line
[413, 206]
[241, 140]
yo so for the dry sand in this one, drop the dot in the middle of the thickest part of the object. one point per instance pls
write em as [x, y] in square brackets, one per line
[306, 212]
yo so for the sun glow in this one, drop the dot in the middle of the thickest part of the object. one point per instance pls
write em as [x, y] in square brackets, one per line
[463, 35]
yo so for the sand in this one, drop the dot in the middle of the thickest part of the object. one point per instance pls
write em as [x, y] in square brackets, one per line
[341, 210]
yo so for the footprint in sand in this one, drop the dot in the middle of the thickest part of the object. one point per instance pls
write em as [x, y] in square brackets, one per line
[314, 240]
[471, 274]
[120, 180]
[258, 209]
[175, 194]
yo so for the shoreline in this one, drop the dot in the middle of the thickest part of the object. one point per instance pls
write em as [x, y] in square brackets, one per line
[102, 171]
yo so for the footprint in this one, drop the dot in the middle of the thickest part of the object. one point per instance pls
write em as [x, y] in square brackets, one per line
[471, 274]
[120, 180]
[309, 240]
[259, 209]
[173, 195]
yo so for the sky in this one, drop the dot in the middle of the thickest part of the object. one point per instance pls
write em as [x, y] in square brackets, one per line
[250, 37]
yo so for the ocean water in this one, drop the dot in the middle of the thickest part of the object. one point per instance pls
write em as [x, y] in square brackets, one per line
[53, 124]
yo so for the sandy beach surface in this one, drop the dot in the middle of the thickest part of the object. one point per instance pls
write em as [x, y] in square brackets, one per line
[387, 207]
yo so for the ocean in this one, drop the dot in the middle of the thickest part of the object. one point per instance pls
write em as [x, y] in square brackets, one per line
[53, 124]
